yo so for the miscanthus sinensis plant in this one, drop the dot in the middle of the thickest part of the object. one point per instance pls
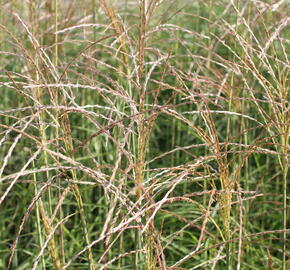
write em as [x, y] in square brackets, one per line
[144, 134]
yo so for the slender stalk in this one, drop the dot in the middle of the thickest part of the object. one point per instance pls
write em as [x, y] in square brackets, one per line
[38, 220]
[41, 119]
[285, 219]
[52, 246]
[56, 34]
[285, 164]
[65, 124]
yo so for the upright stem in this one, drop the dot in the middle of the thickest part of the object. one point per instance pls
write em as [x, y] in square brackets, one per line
[56, 35]
[285, 163]
[65, 124]
[38, 221]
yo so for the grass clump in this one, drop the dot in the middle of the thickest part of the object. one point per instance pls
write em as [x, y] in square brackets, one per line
[144, 135]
